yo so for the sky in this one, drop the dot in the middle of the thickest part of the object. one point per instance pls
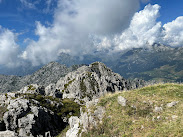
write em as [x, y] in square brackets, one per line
[38, 31]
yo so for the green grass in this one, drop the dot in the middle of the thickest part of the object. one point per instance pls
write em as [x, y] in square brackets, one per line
[164, 73]
[137, 118]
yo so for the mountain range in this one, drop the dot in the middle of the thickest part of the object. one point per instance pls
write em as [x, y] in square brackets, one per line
[89, 100]
[48, 98]
[153, 62]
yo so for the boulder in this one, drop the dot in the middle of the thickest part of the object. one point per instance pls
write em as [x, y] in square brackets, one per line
[122, 101]
[169, 105]
[74, 127]
[158, 109]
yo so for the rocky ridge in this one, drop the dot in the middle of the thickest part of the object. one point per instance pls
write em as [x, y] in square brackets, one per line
[49, 73]
[45, 110]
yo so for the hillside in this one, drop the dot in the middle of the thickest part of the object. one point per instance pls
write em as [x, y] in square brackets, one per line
[157, 62]
[150, 111]
[92, 101]
[45, 110]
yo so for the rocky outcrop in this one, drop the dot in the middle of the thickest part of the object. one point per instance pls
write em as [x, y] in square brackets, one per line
[45, 110]
[122, 101]
[92, 81]
[27, 117]
[7, 134]
[171, 104]
[74, 127]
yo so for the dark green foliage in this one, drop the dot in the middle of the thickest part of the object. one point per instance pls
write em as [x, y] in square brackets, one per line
[69, 106]
[31, 87]
[66, 105]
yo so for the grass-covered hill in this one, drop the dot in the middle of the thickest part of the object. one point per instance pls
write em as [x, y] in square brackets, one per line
[150, 111]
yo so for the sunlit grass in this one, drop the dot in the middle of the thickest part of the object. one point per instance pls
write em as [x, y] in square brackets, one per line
[138, 117]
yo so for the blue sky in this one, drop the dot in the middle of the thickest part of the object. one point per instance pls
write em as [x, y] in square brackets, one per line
[39, 30]
[20, 18]
[170, 9]
[16, 16]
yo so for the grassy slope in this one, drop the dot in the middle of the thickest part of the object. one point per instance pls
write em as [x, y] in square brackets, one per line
[138, 117]
[164, 73]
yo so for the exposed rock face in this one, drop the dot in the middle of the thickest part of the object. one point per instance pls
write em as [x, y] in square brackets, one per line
[28, 118]
[7, 134]
[50, 73]
[44, 110]
[74, 127]
[91, 81]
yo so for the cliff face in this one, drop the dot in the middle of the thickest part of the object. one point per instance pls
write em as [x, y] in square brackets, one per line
[45, 109]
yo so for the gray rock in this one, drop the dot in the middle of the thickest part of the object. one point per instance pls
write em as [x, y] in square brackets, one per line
[89, 82]
[74, 127]
[29, 120]
[99, 113]
[7, 134]
[122, 101]
[158, 109]
[169, 105]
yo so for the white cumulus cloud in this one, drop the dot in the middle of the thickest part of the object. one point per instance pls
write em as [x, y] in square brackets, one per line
[8, 47]
[173, 32]
[75, 22]
[143, 29]
[84, 27]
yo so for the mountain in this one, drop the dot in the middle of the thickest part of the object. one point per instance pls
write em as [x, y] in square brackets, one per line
[46, 110]
[49, 73]
[157, 62]
[153, 62]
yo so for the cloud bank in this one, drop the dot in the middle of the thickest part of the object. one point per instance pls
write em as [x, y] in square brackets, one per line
[84, 27]
[75, 23]
[8, 48]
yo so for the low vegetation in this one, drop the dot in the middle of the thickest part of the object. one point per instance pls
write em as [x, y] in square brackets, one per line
[139, 117]
[63, 107]
[3, 109]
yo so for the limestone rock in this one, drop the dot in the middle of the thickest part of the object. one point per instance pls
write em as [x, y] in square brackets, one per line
[158, 109]
[99, 113]
[29, 120]
[92, 81]
[122, 101]
[169, 105]
[7, 134]
[74, 127]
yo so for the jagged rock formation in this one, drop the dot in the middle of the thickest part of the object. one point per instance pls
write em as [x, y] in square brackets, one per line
[38, 110]
[50, 73]
[92, 81]
[28, 117]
